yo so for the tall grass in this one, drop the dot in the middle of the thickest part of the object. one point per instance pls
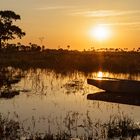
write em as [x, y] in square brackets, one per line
[121, 127]
[74, 60]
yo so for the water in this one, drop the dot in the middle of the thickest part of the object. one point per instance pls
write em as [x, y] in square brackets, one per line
[47, 100]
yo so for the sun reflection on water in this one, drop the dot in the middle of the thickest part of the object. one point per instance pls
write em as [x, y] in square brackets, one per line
[100, 74]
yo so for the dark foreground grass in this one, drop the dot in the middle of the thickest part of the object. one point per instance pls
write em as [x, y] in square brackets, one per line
[64, 60]
[116, 127]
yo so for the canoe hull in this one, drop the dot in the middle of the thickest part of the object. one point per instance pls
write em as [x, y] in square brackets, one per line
[116, 85]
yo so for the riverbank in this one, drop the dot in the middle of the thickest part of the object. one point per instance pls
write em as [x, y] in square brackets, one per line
[87, 61]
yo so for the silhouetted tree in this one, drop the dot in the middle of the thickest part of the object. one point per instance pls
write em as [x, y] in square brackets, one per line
[8, 30]
[34, 47]
[43, 48]
[68, 46]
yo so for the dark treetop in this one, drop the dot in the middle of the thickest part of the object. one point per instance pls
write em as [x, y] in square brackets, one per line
[8, 30]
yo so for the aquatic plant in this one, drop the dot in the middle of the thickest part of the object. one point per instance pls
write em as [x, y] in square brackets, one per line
[116, 127]
[122, 126]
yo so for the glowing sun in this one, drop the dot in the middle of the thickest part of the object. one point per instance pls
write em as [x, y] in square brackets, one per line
[100, 32]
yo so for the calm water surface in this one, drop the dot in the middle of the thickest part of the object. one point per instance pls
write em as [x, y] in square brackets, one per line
[47, 99]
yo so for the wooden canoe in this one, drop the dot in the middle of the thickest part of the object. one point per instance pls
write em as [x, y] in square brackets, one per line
[116, 85]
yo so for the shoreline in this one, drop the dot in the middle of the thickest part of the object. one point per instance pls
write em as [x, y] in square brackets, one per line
[125, 62]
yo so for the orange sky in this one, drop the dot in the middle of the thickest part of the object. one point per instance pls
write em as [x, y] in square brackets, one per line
[69, 22]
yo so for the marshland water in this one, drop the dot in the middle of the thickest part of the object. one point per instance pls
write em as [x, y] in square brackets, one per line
[58, 103]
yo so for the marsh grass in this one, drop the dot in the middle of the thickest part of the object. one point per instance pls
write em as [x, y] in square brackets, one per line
[9, 129]
[64, 60]
[122, 127]
[72, 126]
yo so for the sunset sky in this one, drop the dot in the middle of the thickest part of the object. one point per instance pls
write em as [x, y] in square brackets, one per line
[72, 22]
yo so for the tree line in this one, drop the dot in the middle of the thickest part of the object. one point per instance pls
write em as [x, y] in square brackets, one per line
[9, 31]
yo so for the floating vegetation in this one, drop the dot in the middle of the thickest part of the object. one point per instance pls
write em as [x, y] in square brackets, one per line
[9, 94]
[74, 86]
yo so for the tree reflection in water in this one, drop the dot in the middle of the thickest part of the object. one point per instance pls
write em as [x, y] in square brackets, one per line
[9, 77]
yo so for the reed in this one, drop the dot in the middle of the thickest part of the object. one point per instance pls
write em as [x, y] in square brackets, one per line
[64, 60]
[121, 127]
